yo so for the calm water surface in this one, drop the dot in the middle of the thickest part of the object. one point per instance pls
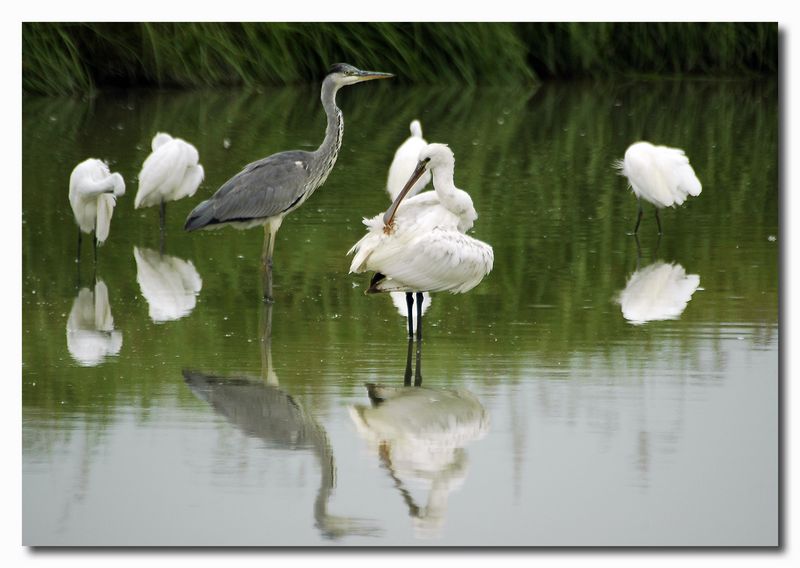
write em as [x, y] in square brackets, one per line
[588, 392]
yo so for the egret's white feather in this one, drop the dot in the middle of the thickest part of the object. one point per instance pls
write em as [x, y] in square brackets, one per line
[659, 174]
[169, 173]
[404, 161]
[92, 194]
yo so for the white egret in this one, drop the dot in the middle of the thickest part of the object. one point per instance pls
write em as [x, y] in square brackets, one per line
[404, 161]
[419, 245]
[658, 174]
[267, 190]
[91, 336]
[169, 284]
[658, 291]
[171, 172]
[93, 192]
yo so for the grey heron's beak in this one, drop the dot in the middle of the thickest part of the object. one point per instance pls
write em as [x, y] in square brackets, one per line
[388, 217]
[370, 75]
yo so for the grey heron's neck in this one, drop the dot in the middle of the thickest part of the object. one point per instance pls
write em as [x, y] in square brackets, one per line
[329, 149]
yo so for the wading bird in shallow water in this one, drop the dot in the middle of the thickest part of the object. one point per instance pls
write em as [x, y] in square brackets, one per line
[419, 245]
[171, 172]
[264, 192]
[93, 192]
[403, 164]
[658, 174]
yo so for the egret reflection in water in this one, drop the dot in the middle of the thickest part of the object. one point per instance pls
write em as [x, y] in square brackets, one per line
[659, 291]
[91, 336]
[420, 434]
[169, 284]
[261, 409]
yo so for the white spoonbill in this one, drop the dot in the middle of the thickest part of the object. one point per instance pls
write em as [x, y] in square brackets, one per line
[93, 192]
[404, 162]
[658, 174]
[419, 245]
[171, 172]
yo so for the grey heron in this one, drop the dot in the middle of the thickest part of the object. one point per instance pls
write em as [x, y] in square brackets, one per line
[93, 192]
[658, 174]
[420, 245]
[267, 190]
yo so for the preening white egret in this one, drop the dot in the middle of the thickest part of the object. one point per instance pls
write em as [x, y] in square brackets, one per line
[171, 172]
[658, 174]
[418, 245]
[658, 291]
[267, 190]
[93, 192]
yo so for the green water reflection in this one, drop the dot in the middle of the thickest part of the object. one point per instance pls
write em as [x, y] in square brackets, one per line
[538, 165]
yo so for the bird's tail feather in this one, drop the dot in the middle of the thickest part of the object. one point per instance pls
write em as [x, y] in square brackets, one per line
[199, 217]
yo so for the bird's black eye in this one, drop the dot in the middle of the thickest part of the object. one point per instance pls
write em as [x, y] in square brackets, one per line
[426, 160]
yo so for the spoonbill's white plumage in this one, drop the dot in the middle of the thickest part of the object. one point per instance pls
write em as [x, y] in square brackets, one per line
[658, 174]
[93, 192]
[404, 162]
[658, 291]
[418, 245]
[171, 172]
[169, 284]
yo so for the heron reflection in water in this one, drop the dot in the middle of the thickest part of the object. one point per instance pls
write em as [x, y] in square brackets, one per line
[420, 434]
[261, 409]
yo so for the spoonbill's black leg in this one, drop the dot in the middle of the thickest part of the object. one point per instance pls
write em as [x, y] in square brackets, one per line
[419, 316]
[410, 307]
[407, 377]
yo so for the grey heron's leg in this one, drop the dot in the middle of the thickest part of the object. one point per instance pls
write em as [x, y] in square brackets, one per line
[639, 217]
[658, 220]
[270, 231]
[410, 307]
[407, 376]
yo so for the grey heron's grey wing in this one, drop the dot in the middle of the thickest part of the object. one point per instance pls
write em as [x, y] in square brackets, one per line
[264, 188]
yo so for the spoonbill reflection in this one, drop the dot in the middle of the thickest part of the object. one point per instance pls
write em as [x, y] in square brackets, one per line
[419, 245]
[659, 291]
[169, 284]
[93, 192]
[91, 336]
[171, 172]
[261, 409]
[267, 190]
[404, 161]
[420, 434]
[658, 174]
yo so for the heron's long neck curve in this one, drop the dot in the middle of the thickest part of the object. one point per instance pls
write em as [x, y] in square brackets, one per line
[328, 151]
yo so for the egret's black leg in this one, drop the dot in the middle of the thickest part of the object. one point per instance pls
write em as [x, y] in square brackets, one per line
[95, 250]
[162, 216]
[638, 218]
[407, 376]
[638, 251]
[658, 220]
[419, 316]
[80, 240]
[410, 307]
[658, 244]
